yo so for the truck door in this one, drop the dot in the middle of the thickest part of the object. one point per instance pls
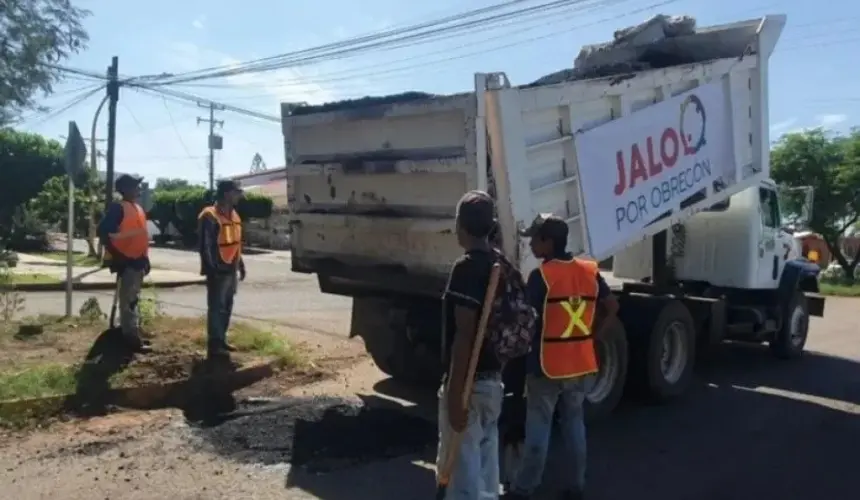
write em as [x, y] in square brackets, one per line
[770, 259]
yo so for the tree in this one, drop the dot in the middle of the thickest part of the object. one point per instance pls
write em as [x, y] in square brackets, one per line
[27, 161]
[165, 184]
[34, 36]
[50, 205]
[830, 164]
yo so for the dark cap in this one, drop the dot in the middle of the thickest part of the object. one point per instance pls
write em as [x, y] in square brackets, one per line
[547, 226]
[227, 186]
[476, 213]
[127, 181]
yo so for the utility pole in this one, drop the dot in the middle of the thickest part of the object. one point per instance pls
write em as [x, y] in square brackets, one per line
[113, 98]
[215, 141]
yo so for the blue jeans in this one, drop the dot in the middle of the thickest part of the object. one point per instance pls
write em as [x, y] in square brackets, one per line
[220, 290]
[542, 395]
[476, 470]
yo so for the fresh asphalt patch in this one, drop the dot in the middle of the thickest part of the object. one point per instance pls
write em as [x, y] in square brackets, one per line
[316, 434]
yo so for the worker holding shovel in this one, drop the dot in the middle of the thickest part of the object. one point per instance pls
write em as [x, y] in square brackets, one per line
[468, 459]
[488, 322]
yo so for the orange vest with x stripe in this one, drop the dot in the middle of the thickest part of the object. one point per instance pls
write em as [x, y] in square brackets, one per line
[567, 346]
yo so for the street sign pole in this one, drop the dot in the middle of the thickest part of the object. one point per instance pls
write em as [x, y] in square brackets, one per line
[70, 235]
[75, 154]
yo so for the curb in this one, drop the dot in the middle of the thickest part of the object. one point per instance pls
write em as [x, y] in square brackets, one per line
[80, 286]
[147, 397]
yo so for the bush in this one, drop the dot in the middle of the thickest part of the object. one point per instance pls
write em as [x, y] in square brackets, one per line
[181, 208]
[834, 274]
[25, 234]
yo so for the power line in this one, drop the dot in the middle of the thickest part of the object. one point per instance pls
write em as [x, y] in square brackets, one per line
[299, 58]
[351, 74]
[175, 129]
[78, 99]
[360, 38]
[191, 98]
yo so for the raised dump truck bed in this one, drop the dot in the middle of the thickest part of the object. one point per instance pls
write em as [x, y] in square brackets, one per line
[660, 161]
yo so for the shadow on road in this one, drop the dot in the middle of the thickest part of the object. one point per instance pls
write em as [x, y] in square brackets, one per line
[331, 444]
[753, 427]
[108, 356]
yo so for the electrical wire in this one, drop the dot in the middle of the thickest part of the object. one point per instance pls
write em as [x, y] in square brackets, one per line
[74, 101]
[190, 98]
[297, 59]
[351, 74]
[175, 129]
[362, 38]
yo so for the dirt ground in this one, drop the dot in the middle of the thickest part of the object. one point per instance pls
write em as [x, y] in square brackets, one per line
[91, 351]
[753, 428]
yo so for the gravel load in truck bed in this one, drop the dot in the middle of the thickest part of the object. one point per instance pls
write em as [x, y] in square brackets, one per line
[660, 42]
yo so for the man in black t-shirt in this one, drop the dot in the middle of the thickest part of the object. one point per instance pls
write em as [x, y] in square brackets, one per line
[476, 474]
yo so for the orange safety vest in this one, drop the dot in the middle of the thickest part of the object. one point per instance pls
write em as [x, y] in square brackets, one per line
[229, 233]
[567, 347]
[132, 238]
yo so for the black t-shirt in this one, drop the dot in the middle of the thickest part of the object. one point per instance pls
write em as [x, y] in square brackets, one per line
[467, 286]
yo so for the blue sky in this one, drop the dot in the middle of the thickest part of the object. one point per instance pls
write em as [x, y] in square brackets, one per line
[813, 79]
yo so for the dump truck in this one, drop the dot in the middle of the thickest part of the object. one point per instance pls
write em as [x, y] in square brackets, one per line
[662, 165]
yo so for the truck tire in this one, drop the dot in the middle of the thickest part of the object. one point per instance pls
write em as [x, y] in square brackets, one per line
[790, 340]
[388, 342]
[670, 352]
[606, 387]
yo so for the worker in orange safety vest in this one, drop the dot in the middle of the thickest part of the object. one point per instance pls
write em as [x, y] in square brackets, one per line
[124, 235]
[220, 229]
[567, 293]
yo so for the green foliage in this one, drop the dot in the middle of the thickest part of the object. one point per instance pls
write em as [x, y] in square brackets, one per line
[35, 35]
[50, 205]
[830, 164]
[25, 233]
[181, 208]
[27, 161]
[165, 184]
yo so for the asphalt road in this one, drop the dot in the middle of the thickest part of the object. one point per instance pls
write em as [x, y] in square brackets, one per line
[270, 293]
[752, 428]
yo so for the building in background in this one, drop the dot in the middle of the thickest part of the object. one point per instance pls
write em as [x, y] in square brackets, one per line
[275, 231]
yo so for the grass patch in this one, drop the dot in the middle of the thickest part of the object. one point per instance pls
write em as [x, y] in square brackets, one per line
[38, 381]
[840, 290]
[30, 279]
[42, 356]
[78, 259]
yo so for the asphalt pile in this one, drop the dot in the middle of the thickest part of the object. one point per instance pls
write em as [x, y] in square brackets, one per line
[319, 434]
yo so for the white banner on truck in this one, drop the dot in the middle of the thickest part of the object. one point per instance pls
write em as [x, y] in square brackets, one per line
[637, 169]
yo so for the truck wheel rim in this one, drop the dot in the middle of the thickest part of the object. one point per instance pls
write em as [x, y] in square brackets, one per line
[799, 325]
[600, 384]
[673, 358]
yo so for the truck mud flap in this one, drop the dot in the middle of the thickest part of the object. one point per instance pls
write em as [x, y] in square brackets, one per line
[815, 304]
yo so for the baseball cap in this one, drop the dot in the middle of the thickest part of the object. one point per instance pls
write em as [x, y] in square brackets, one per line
[547, 226]
[227, 186]
[127, 181]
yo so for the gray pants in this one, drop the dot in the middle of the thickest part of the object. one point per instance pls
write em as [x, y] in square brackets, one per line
[220, 290]
[476, 471]
[130, 283]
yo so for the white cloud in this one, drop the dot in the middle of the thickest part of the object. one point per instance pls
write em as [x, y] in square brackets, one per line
[284, 85]
[199, 23]
[779, 128]
[830, 120]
